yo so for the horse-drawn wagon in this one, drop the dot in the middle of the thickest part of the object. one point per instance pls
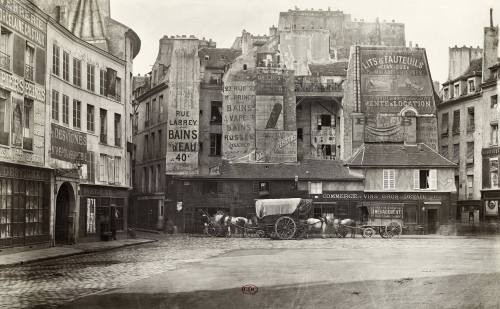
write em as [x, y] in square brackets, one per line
[386, 220]
[283, 218]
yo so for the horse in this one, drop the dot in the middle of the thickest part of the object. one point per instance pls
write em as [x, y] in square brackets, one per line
[321, 224]
[340, 227]
[240, 223]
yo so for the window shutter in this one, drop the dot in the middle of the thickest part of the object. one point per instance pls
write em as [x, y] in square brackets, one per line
[40, 66]
[416, 179]
[433, 179]
[110, 82]
[486, 173]
[18, 55]
[392, 179]
[386, 179]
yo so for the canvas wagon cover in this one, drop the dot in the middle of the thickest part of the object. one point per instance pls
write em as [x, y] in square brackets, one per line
[268, 207]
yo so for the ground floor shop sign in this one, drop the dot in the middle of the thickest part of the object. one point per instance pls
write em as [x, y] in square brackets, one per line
[377, 196]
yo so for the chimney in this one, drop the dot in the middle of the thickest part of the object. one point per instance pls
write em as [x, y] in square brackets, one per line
[273, 31]
[490, 48]
[246, 42]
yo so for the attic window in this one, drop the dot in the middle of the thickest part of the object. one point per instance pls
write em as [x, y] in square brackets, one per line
[207, 57]
[471, 85]
[244, 67]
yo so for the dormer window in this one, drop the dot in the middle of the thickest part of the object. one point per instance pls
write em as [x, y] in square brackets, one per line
[446, 93]
[207, 57]
[456, 89]
[471, 85]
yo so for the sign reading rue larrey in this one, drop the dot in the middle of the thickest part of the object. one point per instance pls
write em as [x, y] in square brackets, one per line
[66, 144]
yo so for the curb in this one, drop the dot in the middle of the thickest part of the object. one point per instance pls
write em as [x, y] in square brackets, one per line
[81, 252]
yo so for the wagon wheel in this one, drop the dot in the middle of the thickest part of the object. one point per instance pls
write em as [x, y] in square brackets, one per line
[368, 232]
[342, 231]
[285, 227]
[383, 232]
[211, 231]
[393, 229]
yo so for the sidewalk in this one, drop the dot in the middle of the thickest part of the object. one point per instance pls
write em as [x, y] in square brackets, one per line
[63, 251]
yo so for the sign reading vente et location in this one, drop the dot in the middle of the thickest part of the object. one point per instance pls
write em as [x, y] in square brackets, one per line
[67, 145]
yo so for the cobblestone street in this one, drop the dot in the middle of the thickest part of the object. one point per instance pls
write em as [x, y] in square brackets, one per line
[54, 282]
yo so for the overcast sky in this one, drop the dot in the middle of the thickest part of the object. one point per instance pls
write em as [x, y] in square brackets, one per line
[433, 24]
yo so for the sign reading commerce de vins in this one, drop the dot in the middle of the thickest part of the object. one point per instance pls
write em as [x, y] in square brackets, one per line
[67, 144]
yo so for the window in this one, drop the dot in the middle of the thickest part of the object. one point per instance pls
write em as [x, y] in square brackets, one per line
[160, 142]
[5, 49]
[102, 82]
[55, 105]
[28, 125]
[316, 187]
[456, 152]
[65, 66]
[118, 162]
[65, 109]
[77, 72]
[470, 186]
[154, 110]
[158, 180]
[494, 101]
[77, 114]
[216, 112]
[90, 118]
[444, 124]
[118, 89]
[29, 62]
[494, 134]
[103, 132]
[145, 179]
[470, 119]
[325, 121]
[425, 179]
[471, 85]
[148, 112]
[456, 90]
[446, 93]
[103, 167]
[215, 144]
[150, 180]
[91, 166]
[153, 141]
[111, 169]
[118, 130]
[444, 151]
[470, 152]
[55, 59]
[389, 179]
[90, 77]
[263, 187]
[326, 151]
[209, 187]
[300, 134]
[146, 146]
[456, 122]
[494, 172]
[160, 104]
[4, 117]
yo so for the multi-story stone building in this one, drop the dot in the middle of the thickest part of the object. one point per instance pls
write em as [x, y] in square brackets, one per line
[25, 182]
[468, 118]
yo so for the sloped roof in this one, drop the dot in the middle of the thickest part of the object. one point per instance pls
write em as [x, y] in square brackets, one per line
[306, 170]
[330, 69]
[475, 69]
[398, 155]
[218, 57]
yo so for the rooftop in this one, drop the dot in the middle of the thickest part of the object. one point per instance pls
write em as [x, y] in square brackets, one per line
[398, 155]
[218, 57]
[329, 69]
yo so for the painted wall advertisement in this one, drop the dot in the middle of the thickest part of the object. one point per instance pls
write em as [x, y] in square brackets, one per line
[276, 146]
[393, 79]
[66, 144]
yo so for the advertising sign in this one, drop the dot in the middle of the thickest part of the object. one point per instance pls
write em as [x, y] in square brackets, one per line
[491, 208]
[269, 112]
[380, 211]
[238, 121]
[66, 144]
[276, 146]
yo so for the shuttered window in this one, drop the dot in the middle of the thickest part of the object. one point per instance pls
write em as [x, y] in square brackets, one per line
[315, 188]
[389, 179]
[425, 179]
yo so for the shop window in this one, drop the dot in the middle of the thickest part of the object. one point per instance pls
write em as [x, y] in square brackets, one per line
[494, 134]
[494, 172]
[425, 179]
[90, 77]
[77, 72]
[4, 117]
[56, 59]
[444, 124]
[66, 66]
[90, 118]
[410, 213]
[91, 215]
[315, 188]
[494, 101]
[470, 119]
[65, 109]
[456, 122]
[77, 114]
[389, 179]
[55, 105]
[216, 112]
[215, 144]
[28, 125]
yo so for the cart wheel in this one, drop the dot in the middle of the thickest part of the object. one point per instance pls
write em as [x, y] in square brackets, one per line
[383, 233]
[211, 231]
[368, 232]
[342, 232]
[394, 229]
[285, 227]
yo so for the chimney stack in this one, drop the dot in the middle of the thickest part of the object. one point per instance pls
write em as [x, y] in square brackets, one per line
[490, 49]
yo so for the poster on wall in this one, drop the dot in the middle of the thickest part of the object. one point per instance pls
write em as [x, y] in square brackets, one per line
[269, 112]
[276, 146]
[491, 208]
[66, 144]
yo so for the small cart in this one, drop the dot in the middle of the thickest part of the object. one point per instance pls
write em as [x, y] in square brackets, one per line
[385, 220]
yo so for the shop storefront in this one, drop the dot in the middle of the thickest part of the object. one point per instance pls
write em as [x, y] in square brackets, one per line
[100, 208]
[490, 195]
[24, 205]
[417, 210]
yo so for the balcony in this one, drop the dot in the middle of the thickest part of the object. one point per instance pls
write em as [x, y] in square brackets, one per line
[103, 138]
[4, 61]
[28, 72]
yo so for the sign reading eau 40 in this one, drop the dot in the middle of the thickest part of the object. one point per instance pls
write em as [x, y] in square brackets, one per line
[182, 145]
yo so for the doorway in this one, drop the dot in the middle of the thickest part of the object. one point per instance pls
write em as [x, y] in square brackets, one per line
[64, 223]
[432, 221]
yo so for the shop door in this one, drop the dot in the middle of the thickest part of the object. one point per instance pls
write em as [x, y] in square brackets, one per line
[62, 210]
[432, 221]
